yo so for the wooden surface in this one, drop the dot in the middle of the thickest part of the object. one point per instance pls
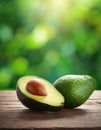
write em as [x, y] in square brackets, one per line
[13, 115]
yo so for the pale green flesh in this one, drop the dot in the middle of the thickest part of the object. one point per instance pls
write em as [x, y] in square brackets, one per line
[53, 97]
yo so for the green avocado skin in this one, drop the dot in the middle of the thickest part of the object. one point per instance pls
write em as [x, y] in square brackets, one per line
[35, 105]
[76, 89]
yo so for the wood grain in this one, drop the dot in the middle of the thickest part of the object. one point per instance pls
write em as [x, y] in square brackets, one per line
[13, 115]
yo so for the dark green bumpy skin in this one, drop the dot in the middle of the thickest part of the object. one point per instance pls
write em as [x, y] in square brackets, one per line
[35, 105]
[75, 90]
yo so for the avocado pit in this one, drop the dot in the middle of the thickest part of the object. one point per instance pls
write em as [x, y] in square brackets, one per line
[36, 87]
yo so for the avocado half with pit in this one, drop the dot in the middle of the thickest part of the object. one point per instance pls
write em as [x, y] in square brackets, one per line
[38, 94]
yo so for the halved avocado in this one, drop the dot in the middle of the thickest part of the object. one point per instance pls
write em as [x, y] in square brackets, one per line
[38, 94]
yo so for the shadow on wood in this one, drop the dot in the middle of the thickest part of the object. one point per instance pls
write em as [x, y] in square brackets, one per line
[40, 115]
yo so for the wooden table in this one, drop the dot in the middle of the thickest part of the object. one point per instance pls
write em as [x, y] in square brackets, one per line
[13, 115]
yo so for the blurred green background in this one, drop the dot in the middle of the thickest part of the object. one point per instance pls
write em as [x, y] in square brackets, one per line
[49, 38]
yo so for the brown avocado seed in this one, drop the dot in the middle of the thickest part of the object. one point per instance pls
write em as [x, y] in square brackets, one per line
[36, 87]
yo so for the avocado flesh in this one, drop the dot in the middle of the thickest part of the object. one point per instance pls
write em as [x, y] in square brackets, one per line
[53, 101]
[76, 89]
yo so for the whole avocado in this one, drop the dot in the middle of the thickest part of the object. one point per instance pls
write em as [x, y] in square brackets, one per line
[76, 89]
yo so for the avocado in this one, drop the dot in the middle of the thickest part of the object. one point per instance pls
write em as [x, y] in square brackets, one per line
[76, 89]
[38, 94]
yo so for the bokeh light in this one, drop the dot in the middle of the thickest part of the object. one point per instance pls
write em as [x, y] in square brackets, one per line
[49, 38]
